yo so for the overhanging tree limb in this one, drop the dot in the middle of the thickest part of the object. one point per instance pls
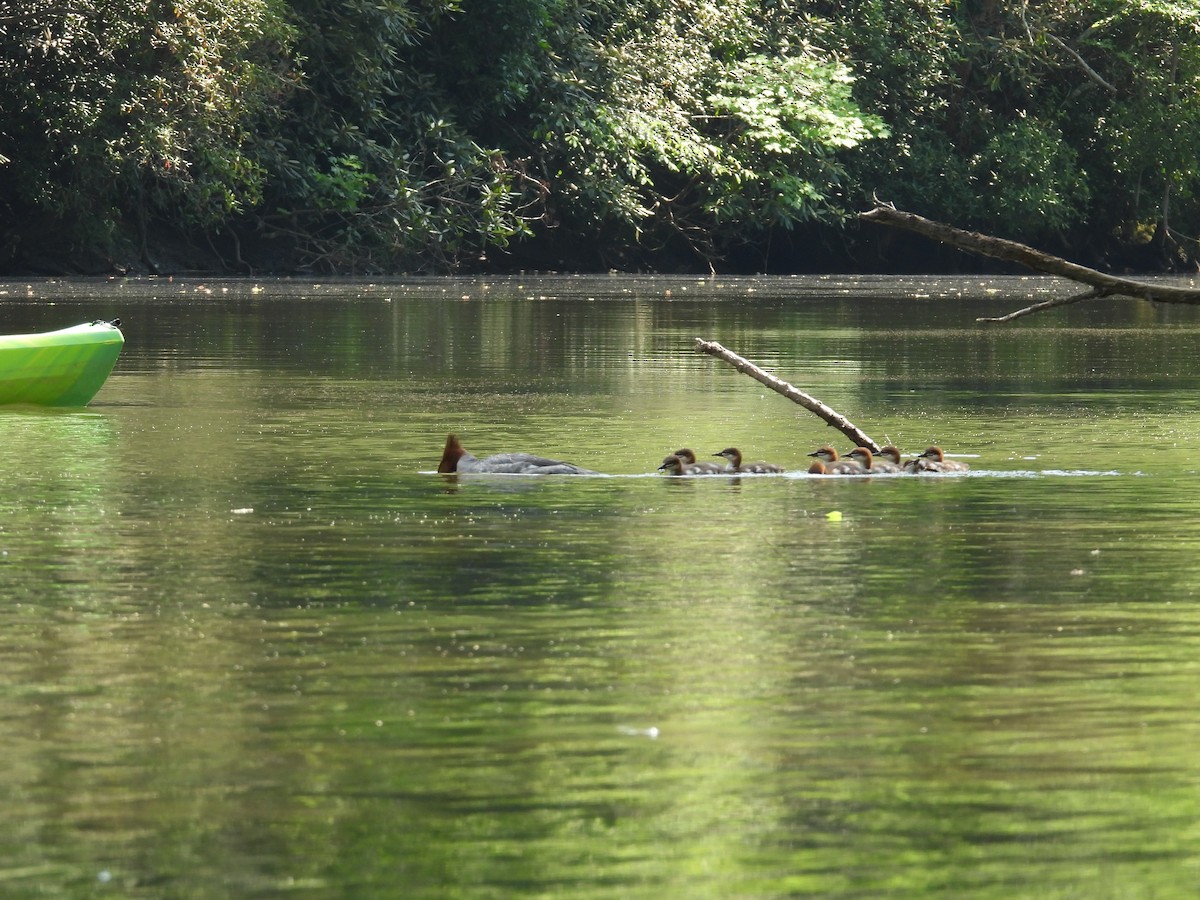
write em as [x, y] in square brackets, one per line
[778, 385]
[1102, 284]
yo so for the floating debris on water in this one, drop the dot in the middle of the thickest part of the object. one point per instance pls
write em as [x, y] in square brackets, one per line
[651, 732]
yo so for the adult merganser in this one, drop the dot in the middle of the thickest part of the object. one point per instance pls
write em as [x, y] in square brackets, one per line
[863, 456]
[701, 468]
[674, 465]
[737, 467]
[456, 459]
[892, 453]
[834, 466]
[934, 460]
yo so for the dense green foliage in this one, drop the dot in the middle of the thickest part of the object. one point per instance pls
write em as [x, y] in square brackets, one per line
[123, 113]
[386, 135]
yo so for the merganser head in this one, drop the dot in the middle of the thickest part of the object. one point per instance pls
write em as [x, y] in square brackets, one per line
[687, 455]
[862, 455]
[673, 465]
[891, 453]
[934, 453]
[826, 454]
[817, 468]
[732, 454]
[451, 454]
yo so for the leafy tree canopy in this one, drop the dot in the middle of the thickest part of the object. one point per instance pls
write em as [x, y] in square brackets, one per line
[387, 135]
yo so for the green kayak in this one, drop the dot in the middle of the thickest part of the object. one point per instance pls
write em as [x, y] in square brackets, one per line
[58, 368]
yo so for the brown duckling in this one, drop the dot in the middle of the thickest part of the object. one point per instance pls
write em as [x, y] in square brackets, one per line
[700, 468]
[836, 466]
[934, 460]
[873, 466]
[892, 454]
[737, 467]
[673, 465]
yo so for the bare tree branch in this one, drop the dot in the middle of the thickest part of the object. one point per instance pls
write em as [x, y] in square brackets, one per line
[778, 385]
[1087, 70]
[1102, 284]
[1038, 307]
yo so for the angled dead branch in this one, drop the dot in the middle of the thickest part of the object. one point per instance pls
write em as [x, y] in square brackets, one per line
[1081, 62]
[1038, 307]
[831, 416]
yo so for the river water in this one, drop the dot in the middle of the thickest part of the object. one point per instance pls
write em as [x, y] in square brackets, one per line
[252, 646]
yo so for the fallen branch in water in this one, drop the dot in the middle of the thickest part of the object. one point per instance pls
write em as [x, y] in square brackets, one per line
[831, 416]
[1045, 304]
[1102, 285]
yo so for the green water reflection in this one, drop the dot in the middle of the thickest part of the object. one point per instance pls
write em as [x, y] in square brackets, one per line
[251, 646]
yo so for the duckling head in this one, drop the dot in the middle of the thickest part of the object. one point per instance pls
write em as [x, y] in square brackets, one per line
[672, 465]
[732, 454]
[862, 455]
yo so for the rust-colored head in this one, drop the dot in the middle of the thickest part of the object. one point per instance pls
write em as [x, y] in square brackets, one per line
[672, 465]
[452, 454]
[687, 455]
[732, 454]
[826, 454]
[891, 453]
[862, 455]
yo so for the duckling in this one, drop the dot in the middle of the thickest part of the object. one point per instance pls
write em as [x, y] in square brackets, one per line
[834, 466]
[872, 465]
[700, 468]
[736, 466]
[892, 454]
[934, 460]
[673, 465]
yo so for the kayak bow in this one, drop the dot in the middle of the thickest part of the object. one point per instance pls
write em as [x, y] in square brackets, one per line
[58, 368]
